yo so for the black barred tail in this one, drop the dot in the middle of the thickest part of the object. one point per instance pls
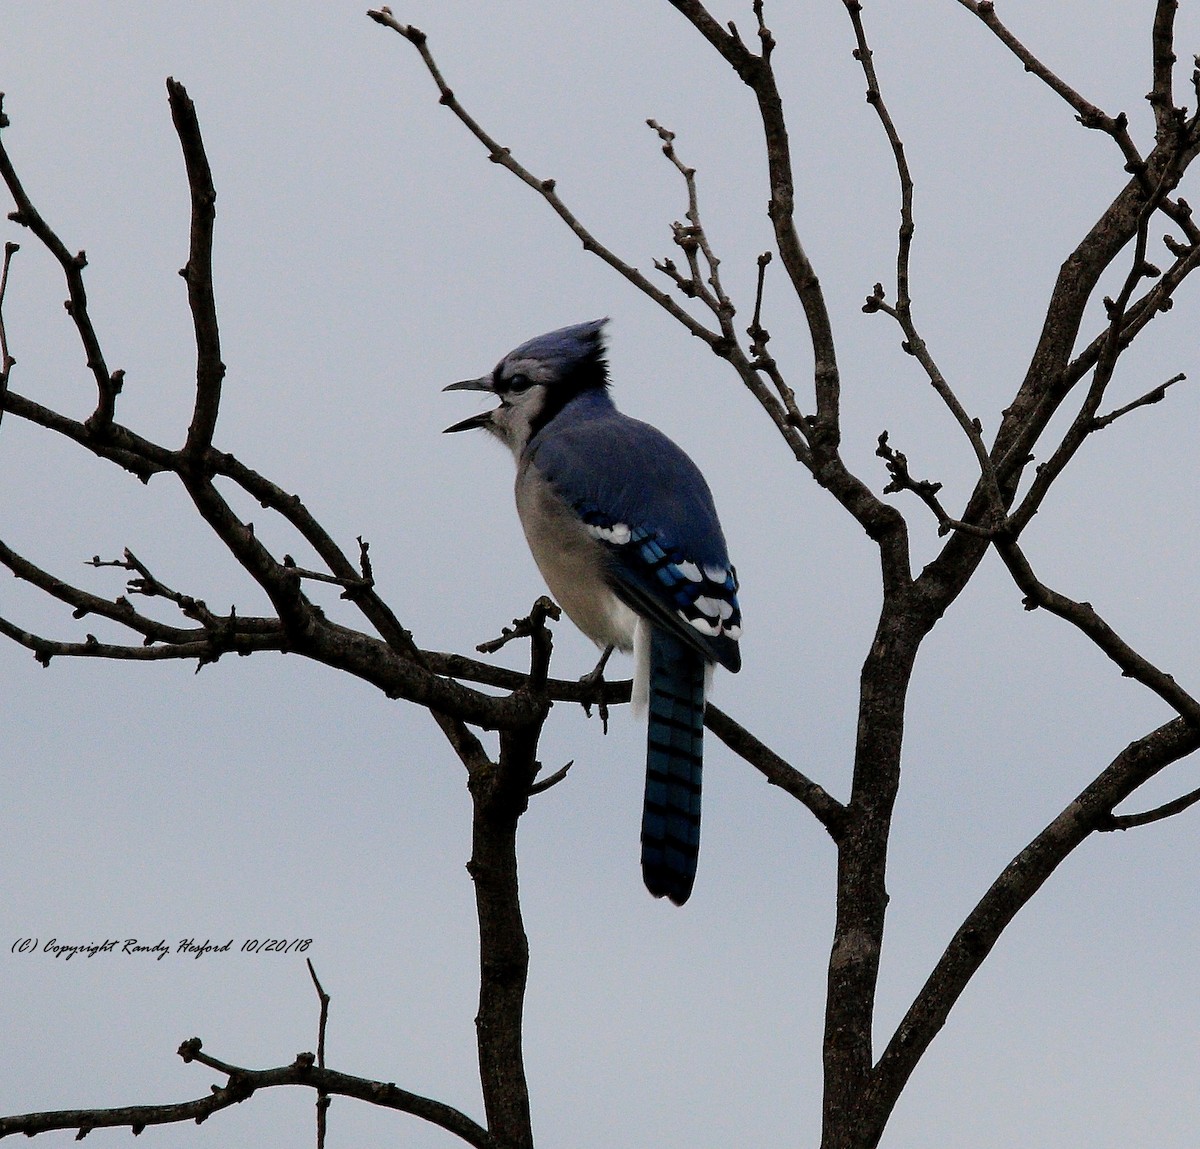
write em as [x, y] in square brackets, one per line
[671, 816]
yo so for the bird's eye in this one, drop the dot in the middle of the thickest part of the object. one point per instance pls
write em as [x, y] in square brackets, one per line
[518, 383]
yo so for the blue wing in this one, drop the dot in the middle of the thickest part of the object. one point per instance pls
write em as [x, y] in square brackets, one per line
[649, 506]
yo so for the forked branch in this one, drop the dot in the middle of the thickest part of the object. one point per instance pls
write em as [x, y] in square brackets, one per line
[241, 1084]
[1020, 880]
[720, 340]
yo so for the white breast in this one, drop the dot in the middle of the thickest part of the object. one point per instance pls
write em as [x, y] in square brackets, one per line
[571, 562]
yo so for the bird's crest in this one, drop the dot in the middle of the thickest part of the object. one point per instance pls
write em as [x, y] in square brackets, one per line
[566, 350]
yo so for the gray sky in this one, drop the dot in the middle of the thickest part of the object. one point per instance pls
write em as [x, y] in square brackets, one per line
[367, 253]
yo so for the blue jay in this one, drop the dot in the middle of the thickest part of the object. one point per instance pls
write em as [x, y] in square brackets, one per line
[623, 529]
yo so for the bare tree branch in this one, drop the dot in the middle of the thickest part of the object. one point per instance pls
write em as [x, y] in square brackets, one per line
[1086, 112]
[107, 385]
[7, 362]
[322, 1023]
[501, 155]
[205, 649]
[1155, 301]
[523, 627]
[719, 341]
[119, 445]
[692, 240]
[827, 809]
[1020, 880]
[197, 273]
[241, 1085]
[914, 344]
[1083, 616]
[756, 72]
[1085, 421]
[306, 629]
[120, 610]
[1167, 117]
[926, 490]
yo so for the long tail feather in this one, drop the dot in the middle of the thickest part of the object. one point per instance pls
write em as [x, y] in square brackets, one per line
[674, 749]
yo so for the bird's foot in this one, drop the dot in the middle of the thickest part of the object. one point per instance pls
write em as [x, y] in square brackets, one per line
[593, 686]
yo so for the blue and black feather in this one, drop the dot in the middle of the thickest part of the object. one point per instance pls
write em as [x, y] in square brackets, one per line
[648, 505]
[674, 761]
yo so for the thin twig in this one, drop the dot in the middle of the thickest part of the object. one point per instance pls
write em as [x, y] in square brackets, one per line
[293, 511]
[1087, 113]
[210, 371]
[925, 489]
[1084, 617]
[1168, 118]
[786, 422]
[120, 610]
[7, 362]
[692, 240]
[1158, 814]
[459, 666]
[757, 73]
[351, 585]
[866, 59]
[554, 779]
[1157, 300]
[150, 586]
[541, 644]
[826, 808]
[1085, 421]
[543, 608]
[206, 648]
[914, 344]
[501, 155]
[818, 449]
[323, 1099]
[766, 363]
[1155, 395]
[72, 265]
[759, 336]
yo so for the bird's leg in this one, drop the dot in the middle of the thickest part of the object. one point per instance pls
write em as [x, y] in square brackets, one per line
[593, 682]
[597, 673]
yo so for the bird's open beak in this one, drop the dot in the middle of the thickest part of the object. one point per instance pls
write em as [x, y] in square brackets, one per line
[483, 383]
[484, 418]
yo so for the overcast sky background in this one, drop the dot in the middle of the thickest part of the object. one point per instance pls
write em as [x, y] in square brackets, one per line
[367, 254]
